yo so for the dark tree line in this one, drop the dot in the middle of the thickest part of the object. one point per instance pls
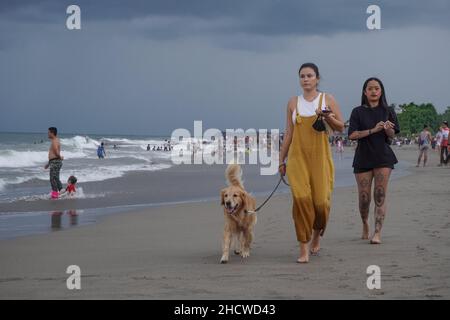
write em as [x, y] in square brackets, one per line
[412, 117]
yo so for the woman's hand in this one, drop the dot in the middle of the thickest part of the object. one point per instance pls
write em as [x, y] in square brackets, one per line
[324, 113]
[378, 127]
[388, 125]
[328, 115]
[282, 169]
[389, 129]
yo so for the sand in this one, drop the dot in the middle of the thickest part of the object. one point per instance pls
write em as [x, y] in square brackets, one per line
[173, 252]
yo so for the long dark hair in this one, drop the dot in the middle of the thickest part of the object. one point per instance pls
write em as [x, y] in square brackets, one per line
[382, 102]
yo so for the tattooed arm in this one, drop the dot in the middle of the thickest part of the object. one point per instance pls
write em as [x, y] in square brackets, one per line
[355, 135]
[354, 130]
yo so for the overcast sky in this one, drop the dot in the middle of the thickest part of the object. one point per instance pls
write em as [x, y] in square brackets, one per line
[148, 67]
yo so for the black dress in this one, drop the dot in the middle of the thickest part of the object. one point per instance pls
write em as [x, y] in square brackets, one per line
[373, 151]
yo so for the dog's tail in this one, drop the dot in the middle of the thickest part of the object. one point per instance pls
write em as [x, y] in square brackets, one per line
[233, 175]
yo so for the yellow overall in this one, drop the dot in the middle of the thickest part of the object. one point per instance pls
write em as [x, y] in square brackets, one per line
[311, 176]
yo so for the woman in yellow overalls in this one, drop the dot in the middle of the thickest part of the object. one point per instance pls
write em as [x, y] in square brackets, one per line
[310, 165]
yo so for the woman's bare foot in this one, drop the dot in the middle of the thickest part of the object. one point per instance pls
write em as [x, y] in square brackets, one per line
[376, 239]
[365, 233]
[303, 260]
[304, 256]
[315, 243]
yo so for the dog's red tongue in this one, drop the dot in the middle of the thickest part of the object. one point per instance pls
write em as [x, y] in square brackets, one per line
[231, 210]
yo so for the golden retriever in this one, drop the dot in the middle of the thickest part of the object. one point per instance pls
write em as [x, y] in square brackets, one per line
[239, 223]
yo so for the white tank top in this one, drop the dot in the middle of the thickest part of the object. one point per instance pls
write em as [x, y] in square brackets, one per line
[306, 108]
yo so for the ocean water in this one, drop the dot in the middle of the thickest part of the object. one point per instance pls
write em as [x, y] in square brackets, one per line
[24, 155]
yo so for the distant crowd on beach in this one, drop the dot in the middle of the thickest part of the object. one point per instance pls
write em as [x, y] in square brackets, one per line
[439, 142]
[166, 146]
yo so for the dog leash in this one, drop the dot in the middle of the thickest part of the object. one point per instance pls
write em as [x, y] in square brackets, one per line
[270, 196]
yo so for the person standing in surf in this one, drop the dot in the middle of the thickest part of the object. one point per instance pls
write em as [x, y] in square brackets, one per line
[101, 154]
[373, 125]
[54, 162]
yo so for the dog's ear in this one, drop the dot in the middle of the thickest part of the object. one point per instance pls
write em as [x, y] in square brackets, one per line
[222, 195]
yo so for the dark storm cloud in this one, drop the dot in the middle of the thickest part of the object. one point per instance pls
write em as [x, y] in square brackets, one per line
[136, 64]
[176, 18]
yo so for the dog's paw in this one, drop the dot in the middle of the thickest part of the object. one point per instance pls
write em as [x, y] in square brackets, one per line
[237, 252]
[224, 260]
[245, 254]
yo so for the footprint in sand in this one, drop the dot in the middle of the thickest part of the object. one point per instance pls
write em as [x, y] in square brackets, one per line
[412, 276]
[421, 250]
[11, 279]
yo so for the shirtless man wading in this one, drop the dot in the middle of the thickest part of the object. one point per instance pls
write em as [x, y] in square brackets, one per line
[54, 162]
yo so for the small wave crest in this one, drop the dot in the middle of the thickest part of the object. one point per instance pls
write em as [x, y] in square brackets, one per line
[23, 159]
[79, 194]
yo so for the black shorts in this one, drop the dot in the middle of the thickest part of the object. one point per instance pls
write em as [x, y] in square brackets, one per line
[362, 170]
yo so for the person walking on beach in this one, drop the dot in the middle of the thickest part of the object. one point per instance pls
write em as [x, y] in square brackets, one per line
[372, 124]
[433, 143]
[438, 140]
[339, 145]
[424, 145]
[54, 162]
[444, 143]
[101, 154]
[309, 159]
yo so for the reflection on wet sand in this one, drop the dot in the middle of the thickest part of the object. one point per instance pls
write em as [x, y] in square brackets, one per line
[73, 217]
[56, 219]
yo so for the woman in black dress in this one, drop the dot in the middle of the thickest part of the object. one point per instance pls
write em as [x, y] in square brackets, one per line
[373, 124]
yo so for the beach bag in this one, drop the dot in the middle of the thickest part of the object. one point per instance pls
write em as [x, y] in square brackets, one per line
[320, 125]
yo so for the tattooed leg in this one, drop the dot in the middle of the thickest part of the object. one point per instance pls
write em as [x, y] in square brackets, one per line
[364, 207]
[381, 182]
[364, 181]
